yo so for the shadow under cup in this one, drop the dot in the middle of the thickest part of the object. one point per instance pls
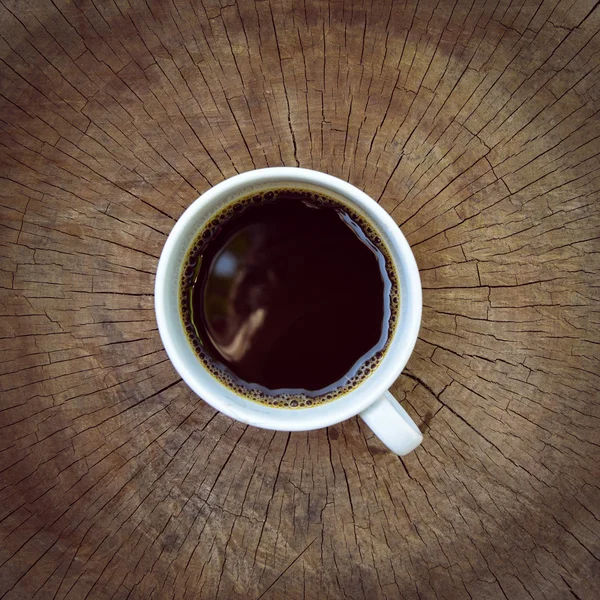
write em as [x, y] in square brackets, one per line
[402, 336]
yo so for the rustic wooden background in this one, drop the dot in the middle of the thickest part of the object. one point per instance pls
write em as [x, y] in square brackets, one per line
[475, 124]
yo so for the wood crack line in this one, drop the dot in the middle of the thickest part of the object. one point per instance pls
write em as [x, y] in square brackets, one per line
[288, 567]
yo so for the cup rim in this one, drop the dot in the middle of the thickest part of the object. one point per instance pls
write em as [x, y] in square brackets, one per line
[346, 406]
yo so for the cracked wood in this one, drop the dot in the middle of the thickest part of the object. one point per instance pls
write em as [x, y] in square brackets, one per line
[475, 124]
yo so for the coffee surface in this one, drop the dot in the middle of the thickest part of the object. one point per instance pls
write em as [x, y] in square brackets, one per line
[287, 296]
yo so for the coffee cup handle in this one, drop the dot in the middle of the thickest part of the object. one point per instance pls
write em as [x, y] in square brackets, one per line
[392, 425]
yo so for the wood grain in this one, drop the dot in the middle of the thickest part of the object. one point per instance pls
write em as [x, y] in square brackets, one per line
[475, 124]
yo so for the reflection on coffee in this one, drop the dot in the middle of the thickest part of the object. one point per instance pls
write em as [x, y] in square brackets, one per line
[288, 297]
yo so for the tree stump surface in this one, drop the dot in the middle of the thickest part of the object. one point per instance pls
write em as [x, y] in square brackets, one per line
[475, 124]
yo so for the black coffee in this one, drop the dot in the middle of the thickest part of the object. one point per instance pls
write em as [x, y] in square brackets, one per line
[288, 297]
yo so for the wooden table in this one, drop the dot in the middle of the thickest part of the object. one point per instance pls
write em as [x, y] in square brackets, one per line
[475, 124]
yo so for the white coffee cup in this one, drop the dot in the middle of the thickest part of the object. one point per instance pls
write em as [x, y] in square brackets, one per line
[371, 398]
